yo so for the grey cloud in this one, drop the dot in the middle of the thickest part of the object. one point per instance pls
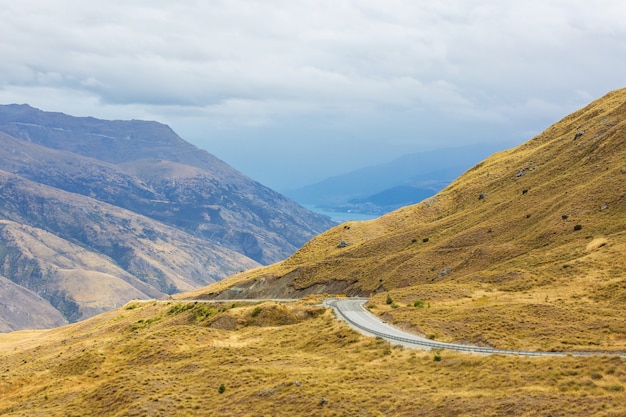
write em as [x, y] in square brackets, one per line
[221, 68]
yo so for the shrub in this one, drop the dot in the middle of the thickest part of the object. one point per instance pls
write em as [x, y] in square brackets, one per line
[221, 388]
[203, 311]
[437, 356]
[256, 311]
[418, 304]
[179, 308]
[389, 299]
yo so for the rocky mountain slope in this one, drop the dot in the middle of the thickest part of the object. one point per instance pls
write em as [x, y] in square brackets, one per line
[94, 213]
[512, 253]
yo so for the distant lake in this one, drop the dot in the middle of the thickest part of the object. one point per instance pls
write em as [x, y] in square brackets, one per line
[341, 217]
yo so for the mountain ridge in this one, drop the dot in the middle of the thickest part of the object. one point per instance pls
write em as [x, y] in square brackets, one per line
[155, 214]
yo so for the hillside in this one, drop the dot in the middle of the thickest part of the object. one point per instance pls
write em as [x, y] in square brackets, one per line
[235, 359]
[94, 213]
[511, 254]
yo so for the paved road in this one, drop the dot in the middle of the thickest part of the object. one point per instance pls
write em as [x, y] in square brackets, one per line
[353, 312]
[215, 301]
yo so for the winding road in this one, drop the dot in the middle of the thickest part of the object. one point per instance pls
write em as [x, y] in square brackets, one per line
[353, 312]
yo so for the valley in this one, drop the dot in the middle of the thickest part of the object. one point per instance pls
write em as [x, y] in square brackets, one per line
[522, 252]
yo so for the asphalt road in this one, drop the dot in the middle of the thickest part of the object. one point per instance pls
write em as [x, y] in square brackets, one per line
[353, 312]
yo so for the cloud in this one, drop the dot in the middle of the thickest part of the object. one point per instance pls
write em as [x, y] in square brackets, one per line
[224, 72]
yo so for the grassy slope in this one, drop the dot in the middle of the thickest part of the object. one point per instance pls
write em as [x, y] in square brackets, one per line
[496, 254]
[159, 359]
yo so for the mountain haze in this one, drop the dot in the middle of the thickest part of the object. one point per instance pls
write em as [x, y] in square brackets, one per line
[386, 187]
[96, 212]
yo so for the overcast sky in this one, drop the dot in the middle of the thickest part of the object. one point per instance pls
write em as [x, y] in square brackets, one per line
[291, 92]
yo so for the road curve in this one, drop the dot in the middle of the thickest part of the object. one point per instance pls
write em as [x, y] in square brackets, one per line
[353, 312]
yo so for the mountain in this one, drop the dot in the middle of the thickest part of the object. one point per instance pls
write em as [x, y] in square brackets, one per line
[525, 250]
[94, 213]
[21, 308]
[530, 240]
[379, 189]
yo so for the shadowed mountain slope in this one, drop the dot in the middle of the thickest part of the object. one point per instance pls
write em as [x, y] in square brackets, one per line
[536, 233]
[147, 168]
[23, 309]
[94, 213]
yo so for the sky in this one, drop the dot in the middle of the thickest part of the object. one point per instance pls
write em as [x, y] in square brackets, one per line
[291, 92]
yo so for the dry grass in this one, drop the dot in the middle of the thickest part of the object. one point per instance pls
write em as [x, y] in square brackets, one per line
[170, 359]
[524, 250]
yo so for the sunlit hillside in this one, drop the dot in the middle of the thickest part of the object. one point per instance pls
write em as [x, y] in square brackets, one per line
[523, 250]
[186, 359]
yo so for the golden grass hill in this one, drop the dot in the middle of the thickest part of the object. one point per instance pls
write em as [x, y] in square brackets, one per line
[524, 251]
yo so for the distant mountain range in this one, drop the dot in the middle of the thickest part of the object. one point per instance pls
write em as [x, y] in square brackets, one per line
[94, 213]
[379, 189]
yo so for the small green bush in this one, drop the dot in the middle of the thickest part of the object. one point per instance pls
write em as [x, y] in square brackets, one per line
[256, 311]
[203, 311]
[179, 308]
[418, 304]
[221, 389]
[142, 324]
[389, 299]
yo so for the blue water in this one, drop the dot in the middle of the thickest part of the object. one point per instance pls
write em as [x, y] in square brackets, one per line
[341, 217]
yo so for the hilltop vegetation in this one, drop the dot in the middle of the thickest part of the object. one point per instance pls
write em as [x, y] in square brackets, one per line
[524, 250]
